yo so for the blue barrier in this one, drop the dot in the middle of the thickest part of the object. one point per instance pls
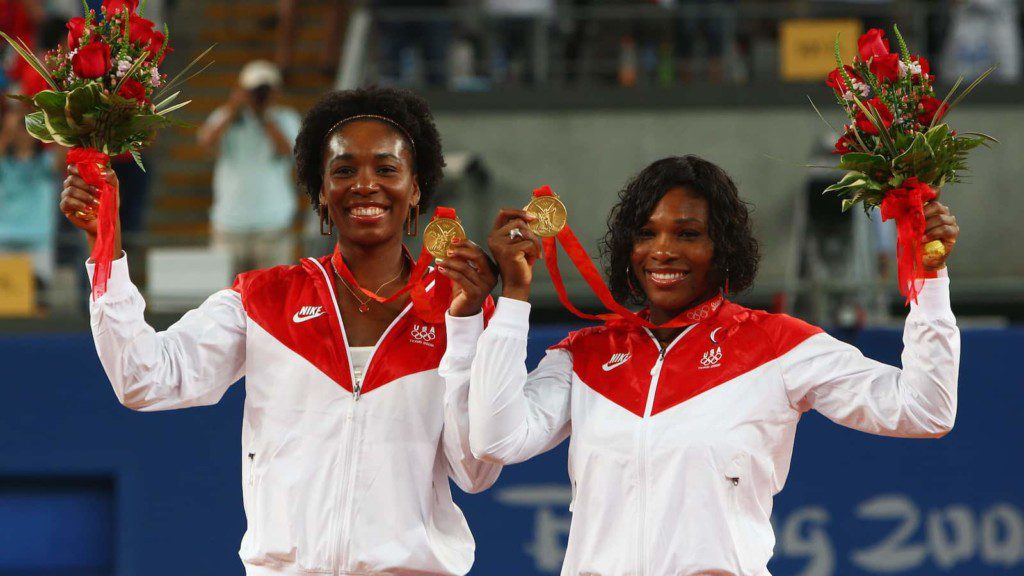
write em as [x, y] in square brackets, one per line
[854, 504]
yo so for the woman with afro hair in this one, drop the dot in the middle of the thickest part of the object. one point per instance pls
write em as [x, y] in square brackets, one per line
[352, 423]
[682, 433]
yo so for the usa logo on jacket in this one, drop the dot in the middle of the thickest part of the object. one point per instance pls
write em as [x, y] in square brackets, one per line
[711, 359]
[423, 335]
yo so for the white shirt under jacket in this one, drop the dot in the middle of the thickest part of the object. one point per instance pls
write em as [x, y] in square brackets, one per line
[340, 475]
[675, 457]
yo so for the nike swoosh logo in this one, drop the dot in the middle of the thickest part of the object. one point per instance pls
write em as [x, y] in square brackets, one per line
[609, 366]
[298, 318]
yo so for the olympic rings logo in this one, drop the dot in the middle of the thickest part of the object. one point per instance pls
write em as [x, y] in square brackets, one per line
[424, 333]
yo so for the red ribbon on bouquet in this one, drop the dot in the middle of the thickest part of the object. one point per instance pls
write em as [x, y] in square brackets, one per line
[906, 205]
[590, 273]
[90, 163]
[429, 307]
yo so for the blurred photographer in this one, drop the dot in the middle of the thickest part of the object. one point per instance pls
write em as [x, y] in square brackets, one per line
[253, 196]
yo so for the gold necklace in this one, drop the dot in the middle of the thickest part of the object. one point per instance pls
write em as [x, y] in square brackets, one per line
[364, 305]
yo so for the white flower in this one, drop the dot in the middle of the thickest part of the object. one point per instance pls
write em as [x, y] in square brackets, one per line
[154, 77]
[863, 89]
[122, 67]
[914, 68]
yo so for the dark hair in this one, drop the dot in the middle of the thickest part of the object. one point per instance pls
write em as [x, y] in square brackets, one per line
[736, 250]
[402, 106]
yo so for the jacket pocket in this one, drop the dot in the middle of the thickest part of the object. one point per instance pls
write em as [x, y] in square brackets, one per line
[736, 487]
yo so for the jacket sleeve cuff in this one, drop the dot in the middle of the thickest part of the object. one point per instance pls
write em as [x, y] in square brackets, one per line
[120, 284]
[511, 317]
[933, 299]
[463, 332]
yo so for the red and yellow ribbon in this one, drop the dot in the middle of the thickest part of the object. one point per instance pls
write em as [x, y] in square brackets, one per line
[431, 306]
[590, 273]
[906, 205]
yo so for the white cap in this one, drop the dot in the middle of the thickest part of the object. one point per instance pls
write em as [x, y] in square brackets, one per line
[259, 72]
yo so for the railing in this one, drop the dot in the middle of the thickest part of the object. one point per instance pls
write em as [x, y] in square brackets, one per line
[625, 45]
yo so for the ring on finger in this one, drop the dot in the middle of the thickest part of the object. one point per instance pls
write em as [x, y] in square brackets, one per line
[515, 233]
[81, 214]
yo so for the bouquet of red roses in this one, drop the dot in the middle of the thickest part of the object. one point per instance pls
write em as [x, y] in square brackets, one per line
[896, 149]
[105, 97]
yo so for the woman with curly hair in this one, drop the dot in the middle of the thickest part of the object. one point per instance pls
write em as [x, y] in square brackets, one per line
[683, 434]
[352, 424]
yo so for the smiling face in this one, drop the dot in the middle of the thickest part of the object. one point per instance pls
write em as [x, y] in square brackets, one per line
[369, 182]
[672, 255]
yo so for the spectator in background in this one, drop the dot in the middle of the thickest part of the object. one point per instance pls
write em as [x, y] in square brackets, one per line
[713, 24]
[253, 196]
[18, 19]
[28, 189]
[287, 12]
[516, 29]
[984, 33]
[413, 49]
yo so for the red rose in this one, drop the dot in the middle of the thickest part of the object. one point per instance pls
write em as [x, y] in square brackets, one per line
[925, 66]
[845, 144]
[156, 41]
[91, 60]
[838, 83]
[112, 6]
[872, 43]
[133, 90]
[140, 30]
[925, 69]
[886, 67]
[865, 125]
[930, 108]
[76, 29]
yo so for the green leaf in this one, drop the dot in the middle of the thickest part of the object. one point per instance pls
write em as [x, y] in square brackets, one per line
[136, 156]
[175, 107]
[981, 135]
[51, 102]
[35, 123]
[31, 59]
[81, 102]
[21, 98]
[873, 165]
[937, 135]
[851, 180]
[916, 160]
[166, 101]
[175, 80]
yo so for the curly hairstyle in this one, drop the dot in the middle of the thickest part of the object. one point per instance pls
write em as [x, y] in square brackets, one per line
[736, 252]
[405, 108]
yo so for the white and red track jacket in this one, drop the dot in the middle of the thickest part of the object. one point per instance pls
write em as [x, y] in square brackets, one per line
[676, 454]
[339, 476]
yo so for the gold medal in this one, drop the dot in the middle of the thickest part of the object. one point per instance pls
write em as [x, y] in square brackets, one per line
[551, 215]
[438, 236]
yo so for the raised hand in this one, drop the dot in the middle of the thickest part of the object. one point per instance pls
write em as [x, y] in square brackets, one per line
[79, 204]
[940, 224]
[515, 248]
[473, 276]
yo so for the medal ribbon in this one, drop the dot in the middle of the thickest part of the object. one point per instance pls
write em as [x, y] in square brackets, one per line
[90, 163]
[430, 307]
[592, 276]
[906, 205]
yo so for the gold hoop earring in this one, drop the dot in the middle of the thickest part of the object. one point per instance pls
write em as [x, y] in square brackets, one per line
[325, 219]
[629, 280]
[412, 223]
